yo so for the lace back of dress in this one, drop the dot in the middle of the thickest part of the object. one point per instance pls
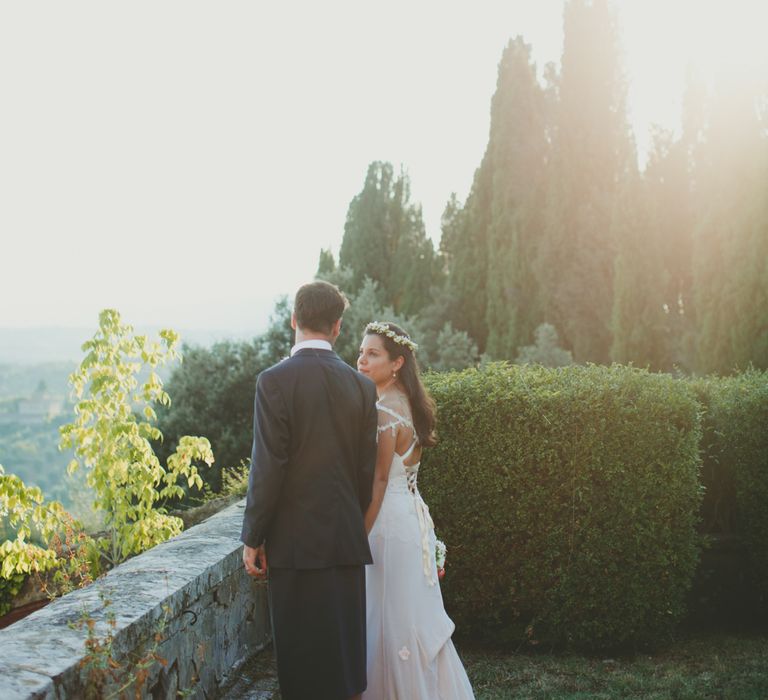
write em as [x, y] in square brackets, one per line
[394, 412]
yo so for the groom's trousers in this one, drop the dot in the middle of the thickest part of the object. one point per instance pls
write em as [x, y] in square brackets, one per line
[318, 627]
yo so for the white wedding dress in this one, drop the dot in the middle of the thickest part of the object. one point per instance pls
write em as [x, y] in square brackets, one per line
[410, 652]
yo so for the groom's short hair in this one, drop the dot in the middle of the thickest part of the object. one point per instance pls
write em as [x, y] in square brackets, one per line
[318, 305]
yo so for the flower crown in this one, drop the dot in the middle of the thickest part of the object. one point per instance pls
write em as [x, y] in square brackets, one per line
[382, 329]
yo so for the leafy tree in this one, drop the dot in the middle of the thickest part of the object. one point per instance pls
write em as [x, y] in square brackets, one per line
[213, 393]
[113, 444]
[213, 390]
[27, 513]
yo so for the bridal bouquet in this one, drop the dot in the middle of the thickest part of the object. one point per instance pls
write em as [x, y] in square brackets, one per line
[440, 550]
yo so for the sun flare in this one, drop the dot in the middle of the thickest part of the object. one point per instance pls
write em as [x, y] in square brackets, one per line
[714, 37]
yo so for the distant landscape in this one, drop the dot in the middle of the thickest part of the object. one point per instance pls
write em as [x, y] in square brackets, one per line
[36, 346]
[35, 364]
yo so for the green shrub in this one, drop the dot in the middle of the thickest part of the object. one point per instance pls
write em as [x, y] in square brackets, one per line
[212, 394]
[568, 499]
[9, 588]
[735, 459]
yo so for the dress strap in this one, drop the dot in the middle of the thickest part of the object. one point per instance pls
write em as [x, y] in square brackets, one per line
[398, 420]
[410, 449]
[394, 414]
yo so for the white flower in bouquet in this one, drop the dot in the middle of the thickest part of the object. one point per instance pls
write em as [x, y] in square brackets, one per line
[440, 551]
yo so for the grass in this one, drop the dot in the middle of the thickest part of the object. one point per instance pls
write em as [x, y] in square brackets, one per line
[697, 667]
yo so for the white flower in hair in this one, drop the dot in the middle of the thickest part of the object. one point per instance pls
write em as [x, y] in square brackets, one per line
[382, 329]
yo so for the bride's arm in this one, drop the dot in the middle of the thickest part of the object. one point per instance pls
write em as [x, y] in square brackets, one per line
[384, 454]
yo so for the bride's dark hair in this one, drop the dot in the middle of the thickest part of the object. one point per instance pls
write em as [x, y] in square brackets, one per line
[422, 405]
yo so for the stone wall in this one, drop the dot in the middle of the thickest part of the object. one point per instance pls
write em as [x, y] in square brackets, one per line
[189, 597]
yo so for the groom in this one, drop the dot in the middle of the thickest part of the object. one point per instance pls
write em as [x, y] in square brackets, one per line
[314, 453]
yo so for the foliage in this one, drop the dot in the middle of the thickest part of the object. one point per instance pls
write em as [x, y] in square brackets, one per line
[108, 677]
[545, 351]
[213, 394]
[384, 239]
[488, 243]
[664, 268]
[235, 481]
[32, 449]
[27, 513]
[735, 467]
[275, 344]
[454, 350]
[35, 543]
[464, 247]
[591, 156]
[640, 321]
[364, 306]
[730, 257]
[569, 498]
[440, 347]
[113, 444]
[9, 589]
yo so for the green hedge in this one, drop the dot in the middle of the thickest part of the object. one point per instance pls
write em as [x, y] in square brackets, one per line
[735, 465]
[568, 499]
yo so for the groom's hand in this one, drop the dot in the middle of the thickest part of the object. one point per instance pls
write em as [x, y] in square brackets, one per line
[255, 560]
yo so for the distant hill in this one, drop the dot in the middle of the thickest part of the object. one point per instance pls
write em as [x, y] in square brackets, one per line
[35, 346]
[20, 381]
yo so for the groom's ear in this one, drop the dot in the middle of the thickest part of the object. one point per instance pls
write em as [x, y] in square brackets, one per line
[293, 320]
[336, 329]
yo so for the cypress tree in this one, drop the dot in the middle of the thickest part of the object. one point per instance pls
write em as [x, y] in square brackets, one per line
[488, 242]
[516, 157]
[640, 322]
[731, 241]
[385, 240]
[326, 265]
[464, 245]
[592, 153]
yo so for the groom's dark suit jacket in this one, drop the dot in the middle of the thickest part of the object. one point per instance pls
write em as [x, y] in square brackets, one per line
[314, 453]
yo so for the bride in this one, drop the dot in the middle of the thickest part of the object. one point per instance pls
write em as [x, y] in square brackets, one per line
[410, 653]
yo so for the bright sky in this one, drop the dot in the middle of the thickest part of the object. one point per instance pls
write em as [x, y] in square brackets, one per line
[184, 162]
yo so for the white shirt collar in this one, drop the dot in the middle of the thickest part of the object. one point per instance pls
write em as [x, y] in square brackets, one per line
[316, 344]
